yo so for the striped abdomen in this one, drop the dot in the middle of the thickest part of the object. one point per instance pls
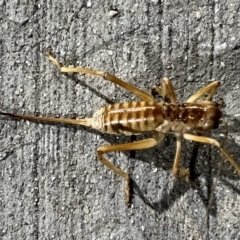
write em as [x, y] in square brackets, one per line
[138, 117]
[128, 118]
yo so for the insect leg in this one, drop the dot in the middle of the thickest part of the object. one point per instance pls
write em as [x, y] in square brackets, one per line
[166, 91]
[138, 145]
[210, 89]
[144, 96]
[177, 171]
[214, 142]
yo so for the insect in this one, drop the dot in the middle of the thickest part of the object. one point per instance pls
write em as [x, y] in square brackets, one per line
[132, 118]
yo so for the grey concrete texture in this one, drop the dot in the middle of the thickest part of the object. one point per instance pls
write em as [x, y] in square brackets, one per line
[51, 184]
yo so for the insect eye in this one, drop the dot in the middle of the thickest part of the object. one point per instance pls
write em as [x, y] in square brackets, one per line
[220, 103]
[216, 124]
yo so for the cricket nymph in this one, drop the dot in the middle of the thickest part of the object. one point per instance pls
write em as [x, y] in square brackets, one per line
[137, 117]
[198, 114]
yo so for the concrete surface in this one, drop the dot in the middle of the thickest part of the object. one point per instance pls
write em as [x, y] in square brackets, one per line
[52, 187]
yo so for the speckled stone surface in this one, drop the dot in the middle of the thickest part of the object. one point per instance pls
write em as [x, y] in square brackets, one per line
[52, 186]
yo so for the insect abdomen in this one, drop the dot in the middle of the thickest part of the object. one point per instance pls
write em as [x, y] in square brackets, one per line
[128, 118]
